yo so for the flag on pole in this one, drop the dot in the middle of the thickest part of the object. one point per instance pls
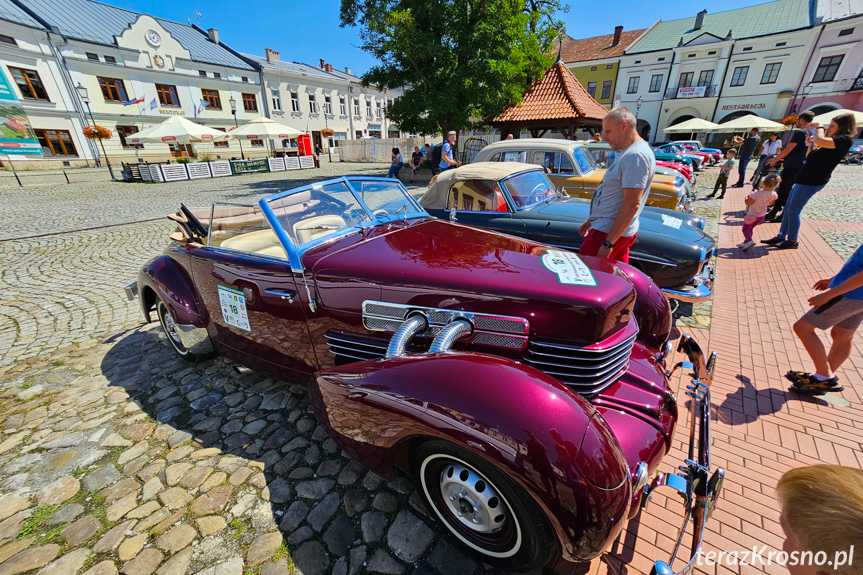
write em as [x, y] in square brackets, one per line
[153, 104]
[130, 102]
[204, 104]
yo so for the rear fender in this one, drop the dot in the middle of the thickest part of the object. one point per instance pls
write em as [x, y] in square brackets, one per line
[527, 424]
[172, 283]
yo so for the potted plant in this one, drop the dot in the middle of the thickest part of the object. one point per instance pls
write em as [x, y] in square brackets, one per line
[790, 121]
[327, 132]
[97, 133]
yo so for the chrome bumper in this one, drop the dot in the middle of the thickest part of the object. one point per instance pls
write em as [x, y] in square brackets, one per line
[131, 291]
[700, 490]
[698, 289]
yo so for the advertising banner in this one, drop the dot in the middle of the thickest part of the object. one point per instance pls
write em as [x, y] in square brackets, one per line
[16, 135]
[249, 166]
[692, 92]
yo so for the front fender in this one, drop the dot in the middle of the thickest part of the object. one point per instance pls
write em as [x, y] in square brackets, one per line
[172, 283]
[529, 425]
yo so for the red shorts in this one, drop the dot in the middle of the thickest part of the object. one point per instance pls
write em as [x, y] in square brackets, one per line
[593, 241]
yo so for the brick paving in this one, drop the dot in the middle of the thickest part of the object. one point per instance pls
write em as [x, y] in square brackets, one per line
[115, 455]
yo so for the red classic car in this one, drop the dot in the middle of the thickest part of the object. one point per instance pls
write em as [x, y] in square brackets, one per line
[523, 387]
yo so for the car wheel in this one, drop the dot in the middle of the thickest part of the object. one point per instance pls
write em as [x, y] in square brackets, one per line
[172, 332]
[485, 510]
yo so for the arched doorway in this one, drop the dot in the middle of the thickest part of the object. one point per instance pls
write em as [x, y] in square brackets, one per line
[823, 109]
[643, 129]
[678, 120]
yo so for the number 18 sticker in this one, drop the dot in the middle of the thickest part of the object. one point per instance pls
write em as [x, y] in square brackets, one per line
[233, 304]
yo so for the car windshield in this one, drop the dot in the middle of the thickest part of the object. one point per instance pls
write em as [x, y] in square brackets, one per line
[582, 157]
[529, 188]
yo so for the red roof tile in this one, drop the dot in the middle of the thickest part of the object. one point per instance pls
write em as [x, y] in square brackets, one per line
[597, 47]
[556, 96]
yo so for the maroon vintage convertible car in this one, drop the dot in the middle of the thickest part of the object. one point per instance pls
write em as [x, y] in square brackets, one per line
[524, 388]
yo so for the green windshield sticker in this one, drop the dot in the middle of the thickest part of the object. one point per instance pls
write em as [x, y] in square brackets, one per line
[233, 303]
[568, 267]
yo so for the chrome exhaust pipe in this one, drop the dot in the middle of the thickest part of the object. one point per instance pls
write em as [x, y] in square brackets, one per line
[242, 369]
[414, 325]
[453, 331]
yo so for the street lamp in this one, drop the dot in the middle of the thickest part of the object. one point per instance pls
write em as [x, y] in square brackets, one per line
[638, 104]
[82, 93]
[806, 89]
[327, 128]
[233, 104]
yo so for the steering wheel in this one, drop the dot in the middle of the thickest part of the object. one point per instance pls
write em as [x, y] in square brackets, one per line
[537, 194]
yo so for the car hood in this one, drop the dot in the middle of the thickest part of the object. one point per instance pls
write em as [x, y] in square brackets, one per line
[655, 219]
[438, 264]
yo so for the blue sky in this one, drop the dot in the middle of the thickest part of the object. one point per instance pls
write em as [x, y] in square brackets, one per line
[309, 31]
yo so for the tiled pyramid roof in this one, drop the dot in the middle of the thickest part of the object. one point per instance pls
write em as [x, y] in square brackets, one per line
[556, 96]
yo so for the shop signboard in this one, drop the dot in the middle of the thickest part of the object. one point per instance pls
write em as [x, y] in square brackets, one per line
[276, 164]
[16, 135]
[220, 168]
[692, 92]
[307, 162]
[174, 172]
[249, 166]
[156, 173]
[292, 163]
[198, 170]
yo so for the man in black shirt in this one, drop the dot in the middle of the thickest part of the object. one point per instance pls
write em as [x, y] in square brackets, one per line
[747, 150]
[792, 157]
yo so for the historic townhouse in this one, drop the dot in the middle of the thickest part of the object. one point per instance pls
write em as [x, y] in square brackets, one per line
[368, 107]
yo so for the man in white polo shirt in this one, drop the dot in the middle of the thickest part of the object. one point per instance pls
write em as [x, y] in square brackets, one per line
[618, 201]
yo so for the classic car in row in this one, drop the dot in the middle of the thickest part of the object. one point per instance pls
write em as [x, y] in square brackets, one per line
[520, 199]
[522, 387]
[694, 162]
[570, 165]
[696, 145]
[705, 158]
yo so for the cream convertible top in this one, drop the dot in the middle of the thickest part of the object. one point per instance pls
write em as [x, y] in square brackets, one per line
[436, 196]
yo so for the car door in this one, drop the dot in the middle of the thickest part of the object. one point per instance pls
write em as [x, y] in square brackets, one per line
[256, 312]
[483, 204]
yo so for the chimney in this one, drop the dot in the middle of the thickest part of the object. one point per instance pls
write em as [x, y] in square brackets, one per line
[348, 70]
[272, 55]
[618, 30]
[323, 63]
[329, 67]
[699, 20]
[214, 35]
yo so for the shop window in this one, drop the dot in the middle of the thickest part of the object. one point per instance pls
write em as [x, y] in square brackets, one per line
[8, 40]
[211, 97]
[250, 103]
[771, 72]
[126, 131]
[113, 89]
[56, 142]
[29, 83]
[632, 87]
[656, 82]
[168, 95]
[738, 78]
[827, 69]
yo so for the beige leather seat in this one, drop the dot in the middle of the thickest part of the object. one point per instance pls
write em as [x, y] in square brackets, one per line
[262, 242]
[306, 230]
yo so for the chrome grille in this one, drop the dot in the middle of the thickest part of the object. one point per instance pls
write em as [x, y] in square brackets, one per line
[498, 340]
[384, 310]
[381, 324]
[355, 347]
[587, 370]
[498, 324]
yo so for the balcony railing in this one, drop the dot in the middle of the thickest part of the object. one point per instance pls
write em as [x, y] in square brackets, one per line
[685, 92]
[857, 85]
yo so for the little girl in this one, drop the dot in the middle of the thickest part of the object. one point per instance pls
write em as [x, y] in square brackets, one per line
[757, 203]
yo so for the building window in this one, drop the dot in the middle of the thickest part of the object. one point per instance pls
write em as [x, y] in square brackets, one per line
[202, 73]
[250, 103]
[845, 32]
[780, 44]
[56, 142]
[357, 107]
[591, 89]
[606, 89]
[738, 78]
[110, 60]
[328, 105]
[168, 95]
[827, 68]
[277, 101]
[216, 75]
[656, 83]
[771, 72]
[712, 53]
[632, 88]
[690, 55]
[380, 110]
[126, 131]
[295, 102]
[29, 83]
[593, 68]
[747, 49]
[92, 57]
[8, 39]
[705, 78]
[369, 108]
[245, 79]
[686, 79]
[638, 61]
[661, 59]
[257, 143]
[343, 107]
[211, 97]
[313, 104]
[220, 144]
[113, 90]
[609, 66]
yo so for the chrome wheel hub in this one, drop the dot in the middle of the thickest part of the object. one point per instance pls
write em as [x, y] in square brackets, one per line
[171, 328]
[471, 499]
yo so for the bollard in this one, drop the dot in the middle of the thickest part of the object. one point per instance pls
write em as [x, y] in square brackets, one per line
[67, 177]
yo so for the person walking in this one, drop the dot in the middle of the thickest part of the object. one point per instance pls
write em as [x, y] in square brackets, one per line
[447, 159]
[792, 157]
[397, 164]
[769, 149]
[747, 150]
[724, 173]
[830, 148]
[618, 201]
[757, 203]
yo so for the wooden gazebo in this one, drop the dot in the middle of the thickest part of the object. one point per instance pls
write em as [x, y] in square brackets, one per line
[558, 101]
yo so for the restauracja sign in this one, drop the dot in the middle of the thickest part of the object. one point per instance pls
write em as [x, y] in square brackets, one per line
[759, 106]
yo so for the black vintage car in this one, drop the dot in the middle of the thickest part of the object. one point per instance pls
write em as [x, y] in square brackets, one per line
[519, 199]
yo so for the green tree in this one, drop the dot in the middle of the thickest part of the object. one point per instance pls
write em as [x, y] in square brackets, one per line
[455, 59]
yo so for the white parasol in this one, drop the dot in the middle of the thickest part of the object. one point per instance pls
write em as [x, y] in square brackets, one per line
[690, 126]
[826, 118]
[748, 122]
[264, 129]
[178, 130]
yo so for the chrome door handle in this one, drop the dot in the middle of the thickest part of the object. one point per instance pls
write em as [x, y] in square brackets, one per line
[282, 293]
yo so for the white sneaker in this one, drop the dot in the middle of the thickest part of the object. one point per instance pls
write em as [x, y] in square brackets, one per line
[746, 246]
[741, 244]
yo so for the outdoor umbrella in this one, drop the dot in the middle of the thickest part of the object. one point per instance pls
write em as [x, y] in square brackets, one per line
[748, 122]
[264, 129]
[690, 126]
[178, 130]
[825, 119]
